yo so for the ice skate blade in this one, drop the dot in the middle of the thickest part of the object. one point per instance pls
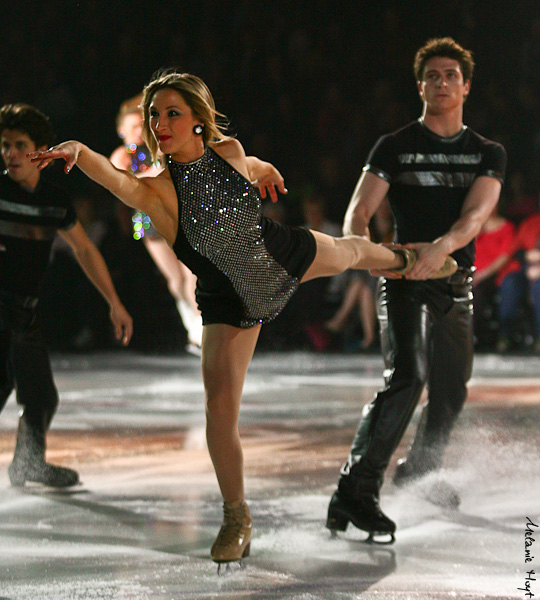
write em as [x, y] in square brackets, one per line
[225, 567]
[228, 568]
[371, 539]
[341, 525]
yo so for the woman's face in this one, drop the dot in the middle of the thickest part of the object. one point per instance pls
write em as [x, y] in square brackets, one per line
[171, 122]
[130, 129]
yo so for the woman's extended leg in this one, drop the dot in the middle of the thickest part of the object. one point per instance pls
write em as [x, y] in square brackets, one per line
[335, 255]
[181, 283]
[226, 354]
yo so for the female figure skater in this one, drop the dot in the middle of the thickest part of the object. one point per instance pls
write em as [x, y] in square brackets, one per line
[134, 156]
[206, 208]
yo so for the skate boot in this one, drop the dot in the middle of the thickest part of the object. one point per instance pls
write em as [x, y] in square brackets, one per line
[29, 461]
[438, 492]
[410, 257]
[58, 477]
[357, 501]
[193, 325]
[364, 512]
[234, 538]
[403, 474]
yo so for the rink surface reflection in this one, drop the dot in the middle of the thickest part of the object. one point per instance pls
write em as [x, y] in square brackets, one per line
[141, 524]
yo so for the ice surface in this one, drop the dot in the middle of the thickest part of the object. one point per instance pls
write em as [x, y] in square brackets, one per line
[141, 524]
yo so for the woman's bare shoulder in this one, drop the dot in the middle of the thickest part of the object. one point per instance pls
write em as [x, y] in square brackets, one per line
[229, 149]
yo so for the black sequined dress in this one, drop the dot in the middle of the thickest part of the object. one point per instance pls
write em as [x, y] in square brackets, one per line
[247, 265]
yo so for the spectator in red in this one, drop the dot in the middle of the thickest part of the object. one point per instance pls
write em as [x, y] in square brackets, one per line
[492, 253]
[521, 276]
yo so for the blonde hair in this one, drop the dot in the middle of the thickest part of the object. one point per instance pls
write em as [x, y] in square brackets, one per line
[196, 95]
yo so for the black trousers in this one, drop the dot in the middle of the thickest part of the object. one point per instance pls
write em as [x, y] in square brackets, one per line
[24, 361]
[426, 338]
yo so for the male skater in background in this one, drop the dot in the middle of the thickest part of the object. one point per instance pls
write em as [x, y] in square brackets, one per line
[32, 210]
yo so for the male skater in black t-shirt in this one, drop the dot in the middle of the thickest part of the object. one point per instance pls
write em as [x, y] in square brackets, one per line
[32, 210]
[442, 181]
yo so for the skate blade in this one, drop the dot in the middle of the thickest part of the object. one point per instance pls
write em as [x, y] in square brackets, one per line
[380, 538]
[226, 569]
[373, 538]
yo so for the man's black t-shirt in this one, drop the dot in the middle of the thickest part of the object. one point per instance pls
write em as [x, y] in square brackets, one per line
[28, 223]
[430, 177]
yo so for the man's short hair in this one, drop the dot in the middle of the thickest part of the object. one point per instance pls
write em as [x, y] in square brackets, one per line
[448, 48]
[29, 120]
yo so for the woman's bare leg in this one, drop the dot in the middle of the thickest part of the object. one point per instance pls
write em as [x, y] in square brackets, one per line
[226, 354]
[168, 264]
[181, 283]
[368, 316]
[335, 255]
[189, 283]
[350, 301]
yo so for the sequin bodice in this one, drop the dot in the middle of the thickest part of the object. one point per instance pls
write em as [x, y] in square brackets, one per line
[221, 240]
[217, 203]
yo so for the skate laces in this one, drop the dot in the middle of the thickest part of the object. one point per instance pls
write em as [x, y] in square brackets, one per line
[234, 520]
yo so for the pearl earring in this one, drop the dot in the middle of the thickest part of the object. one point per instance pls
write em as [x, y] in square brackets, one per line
[198, 129]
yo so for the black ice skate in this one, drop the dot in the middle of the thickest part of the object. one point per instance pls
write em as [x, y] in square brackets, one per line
[29, 460]
[364, 512]
[436, 491]
[21, 472]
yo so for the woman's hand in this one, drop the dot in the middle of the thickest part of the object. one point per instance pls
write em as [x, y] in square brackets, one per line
[266, 178]
[69, 151]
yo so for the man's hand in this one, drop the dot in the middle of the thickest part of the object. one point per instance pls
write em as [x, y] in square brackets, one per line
[122, 323]
[430, 259]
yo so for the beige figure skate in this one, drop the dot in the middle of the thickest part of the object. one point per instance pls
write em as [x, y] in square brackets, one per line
[234, 538]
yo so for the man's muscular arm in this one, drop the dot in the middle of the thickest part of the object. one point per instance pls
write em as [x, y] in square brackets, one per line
[478, 205]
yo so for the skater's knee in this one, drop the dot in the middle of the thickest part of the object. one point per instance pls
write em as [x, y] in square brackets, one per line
[221, 413]
[413, 379]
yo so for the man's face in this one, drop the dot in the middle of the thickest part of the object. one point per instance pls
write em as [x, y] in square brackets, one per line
[442, 87]
[15, 145]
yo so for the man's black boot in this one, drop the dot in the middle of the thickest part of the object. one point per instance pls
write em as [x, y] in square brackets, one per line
[357, 502]
[403, 474]
[29, 461]
[437, 491]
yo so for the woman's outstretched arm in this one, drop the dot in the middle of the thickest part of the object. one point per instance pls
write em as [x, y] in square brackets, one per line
[125, 186]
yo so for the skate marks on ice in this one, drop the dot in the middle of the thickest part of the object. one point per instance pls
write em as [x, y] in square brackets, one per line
[116, 548]
[143, 525]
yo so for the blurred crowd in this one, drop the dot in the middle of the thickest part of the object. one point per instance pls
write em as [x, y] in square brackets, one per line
[309, 86]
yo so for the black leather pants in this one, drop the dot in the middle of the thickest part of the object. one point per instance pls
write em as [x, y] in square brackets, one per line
[25, 364]
[426, 338]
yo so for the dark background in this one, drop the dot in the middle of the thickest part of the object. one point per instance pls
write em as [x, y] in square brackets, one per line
[309, 86]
